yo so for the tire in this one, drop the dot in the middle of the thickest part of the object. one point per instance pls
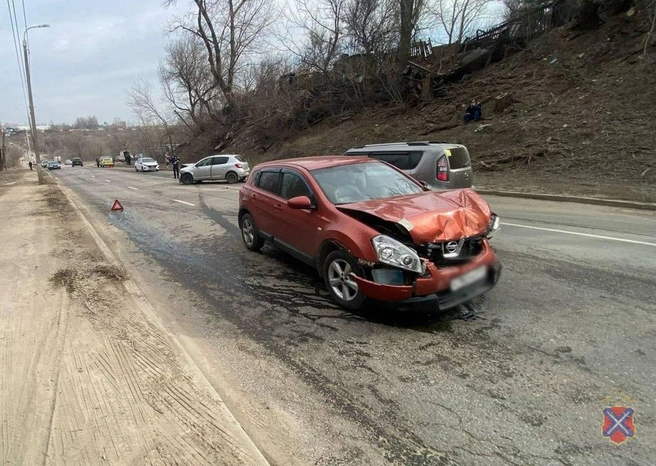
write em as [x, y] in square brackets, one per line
[343, 290]
[135, 169]
[249, 234]
[232, 177]
[186, 178]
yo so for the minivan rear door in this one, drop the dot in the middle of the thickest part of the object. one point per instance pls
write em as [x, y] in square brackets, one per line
[460, 170]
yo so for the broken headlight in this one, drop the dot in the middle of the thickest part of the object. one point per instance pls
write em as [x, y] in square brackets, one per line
[392, 252]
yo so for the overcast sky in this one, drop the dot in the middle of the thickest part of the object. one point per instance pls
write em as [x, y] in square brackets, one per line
[83, 64]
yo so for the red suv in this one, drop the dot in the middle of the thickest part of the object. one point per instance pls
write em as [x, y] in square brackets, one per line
[372, 231]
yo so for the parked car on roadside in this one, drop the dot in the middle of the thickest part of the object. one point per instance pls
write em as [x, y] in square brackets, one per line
[54, 165]
[372, 231]
[146, 164]
[44, 163]
[231, 168]
[106, 161]
[438, 164]
[77, 161]
[68, 162]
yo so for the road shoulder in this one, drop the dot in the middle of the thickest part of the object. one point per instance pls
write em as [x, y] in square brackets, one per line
[89, 372]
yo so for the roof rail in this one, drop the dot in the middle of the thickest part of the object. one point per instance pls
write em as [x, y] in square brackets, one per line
[419, 143]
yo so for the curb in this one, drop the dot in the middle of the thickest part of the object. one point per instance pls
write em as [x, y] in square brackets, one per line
[252, 453]
[575, 199]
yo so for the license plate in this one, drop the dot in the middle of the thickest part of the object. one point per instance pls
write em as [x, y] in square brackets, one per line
[467, 279]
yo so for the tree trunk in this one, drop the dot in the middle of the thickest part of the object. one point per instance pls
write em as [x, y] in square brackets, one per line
[588, 15]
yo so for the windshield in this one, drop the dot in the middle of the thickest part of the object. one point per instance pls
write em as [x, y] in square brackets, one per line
[147, 160]
[357, 182]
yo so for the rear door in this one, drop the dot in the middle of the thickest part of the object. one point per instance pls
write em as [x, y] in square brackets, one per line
[460, 170]
[202, 169]
[264, 196]
[219, 167]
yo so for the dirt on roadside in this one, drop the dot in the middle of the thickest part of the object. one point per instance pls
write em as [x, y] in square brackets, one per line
[86, 376]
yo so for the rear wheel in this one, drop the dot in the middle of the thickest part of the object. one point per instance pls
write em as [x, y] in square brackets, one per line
[187, 179]
[336, 273]
[249, 234]
[231, 177]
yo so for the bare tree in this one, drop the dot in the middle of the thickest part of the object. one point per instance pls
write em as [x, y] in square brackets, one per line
[187, 82]
[230, 30]
[320, 25]
[142, 102]
[410, 13]
[371, 25]
[458, 18]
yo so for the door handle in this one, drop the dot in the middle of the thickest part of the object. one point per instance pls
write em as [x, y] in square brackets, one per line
[277, 206]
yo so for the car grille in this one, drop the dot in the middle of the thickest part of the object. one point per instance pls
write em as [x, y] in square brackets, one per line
[435, 252]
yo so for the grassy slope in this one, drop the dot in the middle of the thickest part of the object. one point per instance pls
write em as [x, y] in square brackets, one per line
[581, 111]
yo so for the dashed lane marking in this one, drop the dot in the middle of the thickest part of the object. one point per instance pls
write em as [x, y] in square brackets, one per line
[185, 203]
[576, 233]
[108, 181]
[132, 187]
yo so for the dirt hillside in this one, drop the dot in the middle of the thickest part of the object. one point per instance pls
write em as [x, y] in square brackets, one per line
[578, 122]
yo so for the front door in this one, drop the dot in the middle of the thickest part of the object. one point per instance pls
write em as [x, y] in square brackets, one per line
[298, 231]
[203, 169]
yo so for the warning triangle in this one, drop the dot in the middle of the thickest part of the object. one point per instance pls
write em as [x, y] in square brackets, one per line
[117, 205]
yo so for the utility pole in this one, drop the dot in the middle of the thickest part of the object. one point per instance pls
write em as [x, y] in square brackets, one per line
[3, 151]
[31, 101]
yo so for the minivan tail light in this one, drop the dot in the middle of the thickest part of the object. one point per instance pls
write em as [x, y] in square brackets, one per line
[238, 165]
[442, 169]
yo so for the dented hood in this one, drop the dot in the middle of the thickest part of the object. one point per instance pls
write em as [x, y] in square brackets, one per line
[431, 216]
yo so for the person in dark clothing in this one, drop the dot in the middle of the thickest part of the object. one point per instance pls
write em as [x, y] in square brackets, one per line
[30, 165]
[175, 163]
[98, 162]
[474, 111]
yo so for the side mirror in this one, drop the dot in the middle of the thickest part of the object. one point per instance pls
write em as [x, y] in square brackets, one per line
[300, 202]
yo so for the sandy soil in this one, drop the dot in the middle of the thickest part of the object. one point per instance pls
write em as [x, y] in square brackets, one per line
[87, 375]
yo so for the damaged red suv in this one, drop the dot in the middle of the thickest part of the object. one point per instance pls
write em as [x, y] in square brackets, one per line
[372, 231]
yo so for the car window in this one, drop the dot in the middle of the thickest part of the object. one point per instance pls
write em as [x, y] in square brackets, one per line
[147, 159]
[240, 158]
[204, 162]
[293, 185]
[219, 160]
[458, 157]
[269, 181]
[406, 160]
[363, 181]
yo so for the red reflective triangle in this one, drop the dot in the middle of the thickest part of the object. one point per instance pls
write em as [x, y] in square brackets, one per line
[117, 205]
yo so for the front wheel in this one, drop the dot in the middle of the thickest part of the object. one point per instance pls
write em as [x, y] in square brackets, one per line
[232, 177]
[249, 234]
[187, 179]
[336, 273]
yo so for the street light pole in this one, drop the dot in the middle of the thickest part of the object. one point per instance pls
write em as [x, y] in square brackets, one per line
[31, 101]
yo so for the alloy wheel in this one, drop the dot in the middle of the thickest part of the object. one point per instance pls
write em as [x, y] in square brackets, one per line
[340, 281]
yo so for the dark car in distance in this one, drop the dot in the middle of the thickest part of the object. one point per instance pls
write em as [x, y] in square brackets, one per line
[372, 231]
[77, 161]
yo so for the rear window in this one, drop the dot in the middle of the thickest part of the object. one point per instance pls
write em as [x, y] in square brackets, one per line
[240, 158]
[458, 157]
[402, 160]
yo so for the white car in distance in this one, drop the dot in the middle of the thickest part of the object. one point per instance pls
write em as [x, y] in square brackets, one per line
[146, 164]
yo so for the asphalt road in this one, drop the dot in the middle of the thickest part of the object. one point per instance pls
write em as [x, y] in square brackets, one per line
[569, 330]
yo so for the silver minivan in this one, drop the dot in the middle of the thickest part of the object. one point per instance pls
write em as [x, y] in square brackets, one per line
[440, 165]
[231, 168]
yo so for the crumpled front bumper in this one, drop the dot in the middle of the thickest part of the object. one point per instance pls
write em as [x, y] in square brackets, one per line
[434, 291]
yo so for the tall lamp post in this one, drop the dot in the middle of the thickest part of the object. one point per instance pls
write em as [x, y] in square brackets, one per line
[31, 101]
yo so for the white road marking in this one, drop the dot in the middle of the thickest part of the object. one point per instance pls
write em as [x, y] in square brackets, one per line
[183, 202]
[108, 181]
[132, 187]
[9, 184]
[576, 233]
[93, 176]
